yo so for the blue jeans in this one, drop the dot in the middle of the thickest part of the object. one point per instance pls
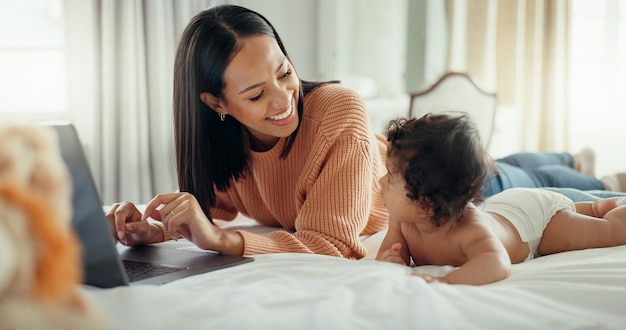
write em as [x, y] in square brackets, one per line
[545, 170]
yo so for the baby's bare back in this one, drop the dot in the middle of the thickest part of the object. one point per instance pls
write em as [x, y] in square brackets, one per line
[446, 245]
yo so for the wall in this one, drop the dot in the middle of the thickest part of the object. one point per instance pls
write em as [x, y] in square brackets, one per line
[296, 23]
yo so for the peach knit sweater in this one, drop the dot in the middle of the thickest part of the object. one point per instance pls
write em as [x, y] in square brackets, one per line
[325, 192]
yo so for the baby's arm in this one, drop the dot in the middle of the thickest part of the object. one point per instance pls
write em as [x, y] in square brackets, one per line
[393, 254]
[394, 248]
[487, 259]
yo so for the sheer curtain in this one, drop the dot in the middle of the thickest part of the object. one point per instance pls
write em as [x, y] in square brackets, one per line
[120, 69]
[519, 50]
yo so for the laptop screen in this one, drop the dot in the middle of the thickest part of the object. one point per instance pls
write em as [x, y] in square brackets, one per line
[101, 262]
[101, 258]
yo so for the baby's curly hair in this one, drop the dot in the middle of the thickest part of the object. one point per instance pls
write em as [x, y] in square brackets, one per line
[442, 161]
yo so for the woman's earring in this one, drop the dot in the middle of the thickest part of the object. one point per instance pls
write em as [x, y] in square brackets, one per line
[222, 116]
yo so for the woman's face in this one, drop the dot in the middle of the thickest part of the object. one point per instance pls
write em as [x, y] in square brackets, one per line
[260, 91]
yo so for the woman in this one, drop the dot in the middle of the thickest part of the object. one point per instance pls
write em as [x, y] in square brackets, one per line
[251, 137]
[286, 152]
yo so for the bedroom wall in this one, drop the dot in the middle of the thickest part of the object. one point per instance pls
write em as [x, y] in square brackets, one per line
[296, 23]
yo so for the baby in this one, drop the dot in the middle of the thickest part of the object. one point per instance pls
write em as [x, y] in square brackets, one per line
[436, 166]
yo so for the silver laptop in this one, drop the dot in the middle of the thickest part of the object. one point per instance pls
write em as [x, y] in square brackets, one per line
[107, 263]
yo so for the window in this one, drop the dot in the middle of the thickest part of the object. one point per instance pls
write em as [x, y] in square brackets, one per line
[597, 80]
[32, 59]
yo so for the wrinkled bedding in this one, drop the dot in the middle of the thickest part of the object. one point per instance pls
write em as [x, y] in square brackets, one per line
[573, 290]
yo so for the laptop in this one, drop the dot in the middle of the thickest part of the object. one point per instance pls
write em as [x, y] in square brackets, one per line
[109, 264]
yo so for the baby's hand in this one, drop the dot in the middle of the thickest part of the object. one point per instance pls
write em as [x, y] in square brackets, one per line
[393, 255]
[432, 279]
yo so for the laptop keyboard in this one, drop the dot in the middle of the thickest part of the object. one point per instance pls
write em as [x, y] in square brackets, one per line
[137, 270]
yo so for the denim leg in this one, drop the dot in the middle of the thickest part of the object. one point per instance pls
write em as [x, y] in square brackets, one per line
[557, 176]
[508, 176]
[564, 177]
[532, 160]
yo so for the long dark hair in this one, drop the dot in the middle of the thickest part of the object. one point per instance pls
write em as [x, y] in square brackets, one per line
[442, 161]
[210, 152]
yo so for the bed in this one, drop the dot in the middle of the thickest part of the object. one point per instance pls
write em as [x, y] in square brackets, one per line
[573, 290]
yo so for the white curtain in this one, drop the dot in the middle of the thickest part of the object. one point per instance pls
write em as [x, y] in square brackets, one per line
[519, 49]
[120, 69]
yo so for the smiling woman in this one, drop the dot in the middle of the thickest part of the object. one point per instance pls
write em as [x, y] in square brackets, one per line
[257, 84]
[253, 138]
[32, 60]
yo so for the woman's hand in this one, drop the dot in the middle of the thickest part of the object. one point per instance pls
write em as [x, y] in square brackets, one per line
[129, 229]
[393, 255]
[183, 217]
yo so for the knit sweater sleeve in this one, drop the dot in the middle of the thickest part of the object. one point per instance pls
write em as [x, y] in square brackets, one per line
[335, 191]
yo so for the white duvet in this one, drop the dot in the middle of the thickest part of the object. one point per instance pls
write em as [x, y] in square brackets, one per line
[572, 290]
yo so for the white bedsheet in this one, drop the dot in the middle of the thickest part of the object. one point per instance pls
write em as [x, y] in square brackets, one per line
[572, 290]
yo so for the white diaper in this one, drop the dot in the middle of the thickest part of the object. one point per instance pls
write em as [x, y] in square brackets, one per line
[529, 210]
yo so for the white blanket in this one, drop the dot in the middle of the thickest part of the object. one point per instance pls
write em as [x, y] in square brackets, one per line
[572, 290]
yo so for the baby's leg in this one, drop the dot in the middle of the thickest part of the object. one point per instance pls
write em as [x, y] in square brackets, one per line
[568, 230]
[602, 206]
[617, 214]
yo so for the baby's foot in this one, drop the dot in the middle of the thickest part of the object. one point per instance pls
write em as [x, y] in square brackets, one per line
[585, 161]
[615, 182]
[611, 183]
[602, 206]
